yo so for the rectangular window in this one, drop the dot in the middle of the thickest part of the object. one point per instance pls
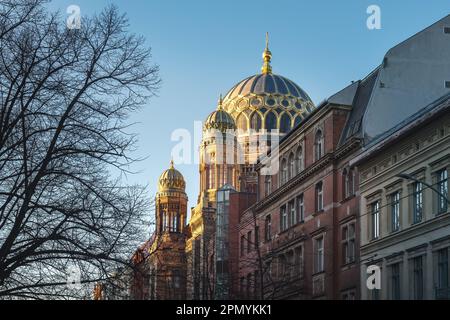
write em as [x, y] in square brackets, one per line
[292, 219]
[350, 295]
[249, 285]
[299, 262]
[257, 284]
[348, 243]
[395, 281]
[300, 209]
[242, 286]
[268, 185]
[375, 294]
[290, 272]
[395, 211]
[349, 184]
[417, 264]
[256, 237]
[417, 202]
[242, 245]
[375, 220]
[249, 242]
[319, 254]
[268, 228]
[319, 197]
[443, 283]
[284, 219]
[442, 186]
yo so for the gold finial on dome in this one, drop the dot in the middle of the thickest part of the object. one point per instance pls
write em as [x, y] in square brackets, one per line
[219, 106]
[171, 164]
[267, 56]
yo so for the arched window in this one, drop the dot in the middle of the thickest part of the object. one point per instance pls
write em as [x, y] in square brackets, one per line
[285, 123]
[299, 160]
[271, 121]
[175, 222]
[291, 169]
[283, 171]
[318, 144]
[255, 121]
[242, 122]
[165, 221]
[297, 120]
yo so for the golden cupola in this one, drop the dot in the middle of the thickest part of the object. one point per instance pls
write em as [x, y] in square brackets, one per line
[267, 100]
[171, 180]
[220, 119]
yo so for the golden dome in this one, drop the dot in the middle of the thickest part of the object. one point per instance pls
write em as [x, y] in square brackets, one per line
[267, 100]
[220, 119]
[171, 180]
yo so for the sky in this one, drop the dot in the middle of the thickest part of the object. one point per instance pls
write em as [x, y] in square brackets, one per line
[205, 47]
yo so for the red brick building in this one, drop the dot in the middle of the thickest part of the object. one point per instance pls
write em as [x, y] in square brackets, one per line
[300, 240]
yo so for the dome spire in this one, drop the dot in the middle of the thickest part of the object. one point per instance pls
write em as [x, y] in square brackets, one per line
[171, 164]
[267, 56]
[219, 106]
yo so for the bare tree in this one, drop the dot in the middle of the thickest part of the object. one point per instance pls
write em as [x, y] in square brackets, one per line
[65, 97]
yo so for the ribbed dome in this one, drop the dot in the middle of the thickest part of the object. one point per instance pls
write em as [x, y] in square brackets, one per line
[171, 180]
[220, 120]
[267, 84]
[267, 101]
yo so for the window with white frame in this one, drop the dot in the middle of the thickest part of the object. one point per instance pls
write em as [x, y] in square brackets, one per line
[442, 186]
[300, 208]
[348, 243]
[319, 255]
[375, 213]
[417, 202]
[283, 218]
[319, 196]
[284, 171]
[292, 216]
[395, 211]
[318, 145]
[291, 163]
[299, 159]
[349, 183]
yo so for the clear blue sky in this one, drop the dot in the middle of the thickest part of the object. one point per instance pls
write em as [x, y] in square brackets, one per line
[205, 47]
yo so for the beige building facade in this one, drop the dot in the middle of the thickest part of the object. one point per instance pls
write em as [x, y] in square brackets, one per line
[404, 210]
